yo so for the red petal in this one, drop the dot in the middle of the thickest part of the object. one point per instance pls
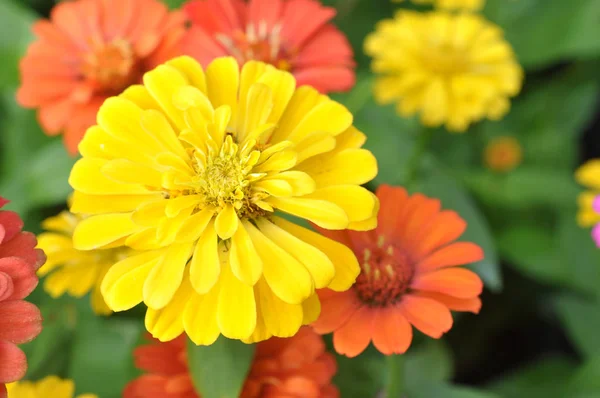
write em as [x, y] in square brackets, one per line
[20, 321]
[23, 246]
[202, 46]
[459, 253]
[216, 16]
[22, 274]
[336, 309]
[456, 282]
[161, 358]
[354, 337]
[455, 304]
[327, 48]
[12, 224]
[326, 78]
[393, 333]
[6, 286]
[427, 315]
[302, 19]
[392, 200]
[3, 393]
[13, 363]
[266, 12]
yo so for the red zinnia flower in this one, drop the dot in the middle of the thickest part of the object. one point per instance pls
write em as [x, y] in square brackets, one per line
[20, 321]
[409, 277]
[298, 367]
[90, 50]
[293, 35]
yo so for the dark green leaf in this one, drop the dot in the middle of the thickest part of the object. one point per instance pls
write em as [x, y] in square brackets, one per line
[581, 319]
[219, 370]
[15, 34]
[448, 391]
[428, 363]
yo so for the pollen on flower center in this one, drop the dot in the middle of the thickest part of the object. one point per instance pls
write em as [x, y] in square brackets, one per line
[385, 276]
[111, 66]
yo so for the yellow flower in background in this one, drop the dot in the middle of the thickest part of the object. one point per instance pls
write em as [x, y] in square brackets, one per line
[503, 154]
[193, 169]
[73, 271]
[451, 69]
[49, 387]
[588, 175]
[472, 5]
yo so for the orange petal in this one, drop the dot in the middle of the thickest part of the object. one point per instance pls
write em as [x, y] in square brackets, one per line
[392, 333]
[303, 19]
[354, 337]
[456, 282]
[267, 12]
[459, 253]
[336, 309]
[392, 200]
[420, 216]
[429, 316]
[446, 227]
[455, 304]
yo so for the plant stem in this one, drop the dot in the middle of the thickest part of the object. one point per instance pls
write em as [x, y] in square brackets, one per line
[395, 382]
[414, 163]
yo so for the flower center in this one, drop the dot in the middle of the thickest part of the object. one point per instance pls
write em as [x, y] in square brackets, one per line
[386, 275]
[112, 67]
[257, 43]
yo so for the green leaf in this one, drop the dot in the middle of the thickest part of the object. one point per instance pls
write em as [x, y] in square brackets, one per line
[219, 370]
[585, 383]
[428, 363]
[546, 378]
[448, 391]
[360, 377]
[175, 4]
[15, 34]
[454, 197]
[581, 319]
[103, 353]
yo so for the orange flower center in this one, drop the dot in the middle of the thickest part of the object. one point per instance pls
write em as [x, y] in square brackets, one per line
[386, 275]
[257, 43]
[112, 67]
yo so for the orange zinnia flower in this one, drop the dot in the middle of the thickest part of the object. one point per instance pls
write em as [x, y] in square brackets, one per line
[409, 277]
[282, 368]
[90, 50]
[293, 35]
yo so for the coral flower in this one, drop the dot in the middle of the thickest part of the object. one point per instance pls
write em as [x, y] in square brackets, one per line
[20, 321]
[88, 51]
[588, 175]
[503, 154]
[282, 368]
[471, 5]
[409, 277]
[50, 386]
[293, 35]
[189, 170]
[452, 69]
[75, 271]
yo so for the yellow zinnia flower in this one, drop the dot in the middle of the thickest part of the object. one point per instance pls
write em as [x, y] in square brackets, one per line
[452, 69]
[73, 271]
[49, 387]
[454, 4]
[588, 175]
[193, 168]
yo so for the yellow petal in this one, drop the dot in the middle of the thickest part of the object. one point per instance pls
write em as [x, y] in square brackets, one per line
[222, 80]
[325, 214]
[279, 161]
[200, 317]
[166, 276]
[351, 138]
[123, 283]
[243, 257]
[205, 266]
[168, 228]
[87, 177]
[315, 261]
[287, 277]
[251, 71]
[226, 222]
[150, 214]
[177, 205]
[589, 174]
[163, 83]
[139, 95]
[343, 259]
[311, 309]
[350, 166]
[330, 117]
[258, 108]
[274, 187]
[300, 182]
[282, 85]
[191, 69]
[357, 202]
[97, 204]
[97, 143]
[167, 323]
[236, 309]
[128, 172]
[314, 144]
[193, 227]
[157, 126]
[303, 100]
[98, 231]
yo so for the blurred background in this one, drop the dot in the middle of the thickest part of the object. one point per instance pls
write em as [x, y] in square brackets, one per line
[538, 332]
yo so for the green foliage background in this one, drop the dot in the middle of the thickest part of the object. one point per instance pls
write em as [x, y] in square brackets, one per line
[525, 220]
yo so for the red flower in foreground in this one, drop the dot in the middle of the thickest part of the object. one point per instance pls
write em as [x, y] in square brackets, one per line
[298, 367]
[90, 50]
[20, 321]
[293, 35]
[409, 277]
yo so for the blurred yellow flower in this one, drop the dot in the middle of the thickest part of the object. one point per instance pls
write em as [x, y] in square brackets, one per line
[73, 271]
[588, 175]
[452, 69]
[473, 5]
[190, 168]
[49, 387]
[503, 154]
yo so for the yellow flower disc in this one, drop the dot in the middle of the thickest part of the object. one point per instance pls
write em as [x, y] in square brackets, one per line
[452, 69]
[192, 169]
[50, 386]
